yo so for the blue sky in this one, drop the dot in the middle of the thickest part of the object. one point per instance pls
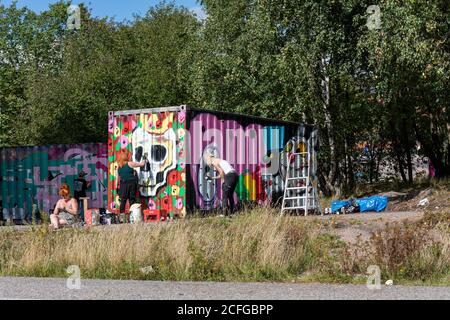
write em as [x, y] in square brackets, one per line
[120, 9]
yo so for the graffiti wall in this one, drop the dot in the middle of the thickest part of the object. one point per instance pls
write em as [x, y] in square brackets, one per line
[248, 149]
[258, 152]
[160, 137]
[34, 174]
[176, 179]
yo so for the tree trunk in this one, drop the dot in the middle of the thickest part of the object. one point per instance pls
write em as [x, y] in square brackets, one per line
[409, 164]
[400, 167]
[407, 146]
[350, 173]
[333, 176]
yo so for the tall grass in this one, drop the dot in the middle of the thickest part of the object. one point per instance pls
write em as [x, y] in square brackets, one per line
[256, 246]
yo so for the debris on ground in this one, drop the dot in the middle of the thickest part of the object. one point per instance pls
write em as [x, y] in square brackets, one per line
[418, 200]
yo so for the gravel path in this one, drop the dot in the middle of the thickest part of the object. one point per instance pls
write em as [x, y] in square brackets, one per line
[50, 288]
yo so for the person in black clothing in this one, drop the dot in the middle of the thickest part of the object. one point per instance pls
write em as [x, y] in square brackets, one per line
[81, 185]
[229, 178]
[128, 182]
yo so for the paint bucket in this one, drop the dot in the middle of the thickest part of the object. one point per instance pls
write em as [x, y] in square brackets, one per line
[92, 217]
[95, 218]
[135, 213]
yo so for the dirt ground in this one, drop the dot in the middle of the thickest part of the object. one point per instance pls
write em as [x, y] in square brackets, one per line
[350, 227]
[408, 206]
[418, 200]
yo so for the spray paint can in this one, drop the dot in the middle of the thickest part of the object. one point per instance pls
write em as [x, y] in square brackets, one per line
[95, 218]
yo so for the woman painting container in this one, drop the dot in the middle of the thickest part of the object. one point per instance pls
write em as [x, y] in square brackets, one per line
[229, 178]
[128, 181]
[66, 209]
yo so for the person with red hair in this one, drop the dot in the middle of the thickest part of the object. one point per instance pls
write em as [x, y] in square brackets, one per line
[128, 181]
[66, 209]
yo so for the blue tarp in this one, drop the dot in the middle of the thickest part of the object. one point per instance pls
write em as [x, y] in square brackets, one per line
[375, 203]
[338, 204]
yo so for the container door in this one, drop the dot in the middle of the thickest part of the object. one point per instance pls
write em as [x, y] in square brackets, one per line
[160, 137]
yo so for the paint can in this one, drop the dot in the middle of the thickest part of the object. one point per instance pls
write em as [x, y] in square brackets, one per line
[95, 217]
[92, 217]
[135, 213]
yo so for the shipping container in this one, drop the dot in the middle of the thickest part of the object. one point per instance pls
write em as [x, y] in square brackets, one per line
[34, 174]
[175, 139]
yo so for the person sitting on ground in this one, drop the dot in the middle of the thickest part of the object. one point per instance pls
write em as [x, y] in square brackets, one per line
[128, 181]
[66, 209]
[229, 178]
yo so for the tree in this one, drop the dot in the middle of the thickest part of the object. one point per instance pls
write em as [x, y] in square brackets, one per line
[108, 66]
[28, 42]
[373, 93]
[408, 60]
[296, 63]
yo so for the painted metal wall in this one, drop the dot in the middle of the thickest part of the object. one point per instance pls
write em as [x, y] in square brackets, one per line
[175, 139]
[256, 148]
[160, 135]
[35, 174]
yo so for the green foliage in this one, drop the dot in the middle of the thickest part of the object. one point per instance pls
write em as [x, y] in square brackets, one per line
[62, 91]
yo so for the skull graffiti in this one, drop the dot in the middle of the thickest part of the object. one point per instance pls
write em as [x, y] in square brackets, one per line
[160, 153]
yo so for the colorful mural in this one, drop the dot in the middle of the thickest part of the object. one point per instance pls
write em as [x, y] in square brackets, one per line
[173, 180]
[34, 174]
[161, 138]
[174, 141]
[250, 149]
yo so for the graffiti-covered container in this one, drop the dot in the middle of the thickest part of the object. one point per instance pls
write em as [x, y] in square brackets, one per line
[159, 135]
[33, 175]
[175, 178]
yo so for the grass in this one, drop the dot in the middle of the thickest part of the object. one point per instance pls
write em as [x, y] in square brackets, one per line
[259, 245]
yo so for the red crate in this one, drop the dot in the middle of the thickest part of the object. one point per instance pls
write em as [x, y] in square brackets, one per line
[155, 215]
[152, 215]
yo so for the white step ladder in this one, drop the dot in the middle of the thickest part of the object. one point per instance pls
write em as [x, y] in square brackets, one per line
[299, 190]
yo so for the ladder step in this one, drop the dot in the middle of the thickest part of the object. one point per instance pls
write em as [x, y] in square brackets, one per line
[294, 198]
[296, 188]
[293, 208]
[296, 178]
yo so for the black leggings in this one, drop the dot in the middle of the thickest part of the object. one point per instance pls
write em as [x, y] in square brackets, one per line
[228, 187]
[127, 191]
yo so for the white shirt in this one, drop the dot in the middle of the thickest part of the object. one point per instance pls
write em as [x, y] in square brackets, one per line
[226, 167]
